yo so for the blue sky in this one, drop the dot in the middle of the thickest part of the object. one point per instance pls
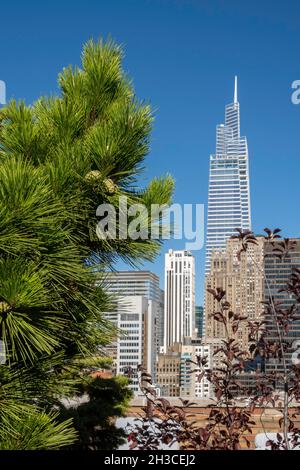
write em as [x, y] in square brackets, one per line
[182, 56]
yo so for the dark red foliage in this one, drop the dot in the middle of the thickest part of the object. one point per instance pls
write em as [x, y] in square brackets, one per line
[229, 425]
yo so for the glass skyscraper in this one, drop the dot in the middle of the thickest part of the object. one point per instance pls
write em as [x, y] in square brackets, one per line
[229, 193]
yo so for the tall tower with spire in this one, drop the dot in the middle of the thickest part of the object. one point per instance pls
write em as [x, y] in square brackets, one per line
[229, 191]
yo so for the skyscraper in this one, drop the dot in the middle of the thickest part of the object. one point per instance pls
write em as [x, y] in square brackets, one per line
[143, 283]
[136, 345]
[278, 271]
[134, 283]
[229, 194]
[199, 320]
[243, 282]
[131, 290]
[177, 375]
[179, 313]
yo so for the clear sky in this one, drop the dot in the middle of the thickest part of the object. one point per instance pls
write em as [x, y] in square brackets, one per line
[182, 56]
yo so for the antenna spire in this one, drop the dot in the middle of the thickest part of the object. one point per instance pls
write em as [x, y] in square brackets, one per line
[235, 90]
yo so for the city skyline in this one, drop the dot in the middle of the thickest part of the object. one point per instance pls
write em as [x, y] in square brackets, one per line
[150, 239]
[187, 86]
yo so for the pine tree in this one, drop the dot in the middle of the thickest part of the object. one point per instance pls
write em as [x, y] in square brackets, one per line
[59, 160]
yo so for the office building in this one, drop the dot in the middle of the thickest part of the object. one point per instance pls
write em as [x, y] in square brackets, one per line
[168, 371]
[243, 282]
[199, 321]
[278, 271]
[135, 344]
[179, 312]
[142, 285]
[178, 374]
[229, 193]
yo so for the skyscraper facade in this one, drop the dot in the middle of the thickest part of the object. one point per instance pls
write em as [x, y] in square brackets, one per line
[243, 282]
[134, 283]
[143, 328]
[179, 312]
[229, 193]
[278, 271]
[143, 283]
[136, 343]
[177, 375]
[199, 320]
